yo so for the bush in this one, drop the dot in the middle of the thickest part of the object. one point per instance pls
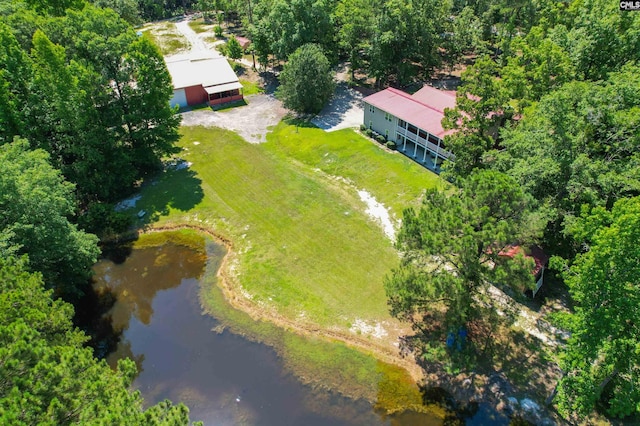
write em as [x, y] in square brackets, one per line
[369, 133]
[391, 145]
[363, 128]
[381, 139]
[217, 30]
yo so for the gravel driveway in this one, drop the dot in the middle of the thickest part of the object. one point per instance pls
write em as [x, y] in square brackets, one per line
[252, 121]
[263, 111]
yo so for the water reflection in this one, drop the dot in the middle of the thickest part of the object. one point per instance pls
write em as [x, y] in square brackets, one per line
[222, 377]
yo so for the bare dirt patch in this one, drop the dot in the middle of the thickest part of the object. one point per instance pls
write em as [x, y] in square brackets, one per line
[251, 121]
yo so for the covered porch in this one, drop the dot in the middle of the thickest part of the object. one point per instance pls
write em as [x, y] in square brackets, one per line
[222, 93]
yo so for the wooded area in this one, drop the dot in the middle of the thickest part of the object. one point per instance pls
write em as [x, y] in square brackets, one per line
[546, 151]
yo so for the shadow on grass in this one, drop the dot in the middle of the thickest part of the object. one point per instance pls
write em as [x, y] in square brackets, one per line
[176, 188]
[300, 121]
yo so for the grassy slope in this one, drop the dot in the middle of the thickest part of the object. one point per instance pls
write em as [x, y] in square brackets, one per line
[392, 178]
[307, 248]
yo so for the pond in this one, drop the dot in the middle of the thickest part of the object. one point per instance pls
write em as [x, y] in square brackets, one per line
[187, 356]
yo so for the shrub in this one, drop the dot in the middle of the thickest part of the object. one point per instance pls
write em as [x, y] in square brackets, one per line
[391, 145]
[381, 139]
[363, 128]
[369, 133]
[217, 30]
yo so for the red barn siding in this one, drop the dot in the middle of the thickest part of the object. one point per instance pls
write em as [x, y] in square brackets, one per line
[196, 95]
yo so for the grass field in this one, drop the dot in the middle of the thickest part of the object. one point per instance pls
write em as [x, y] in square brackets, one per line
[250, 87]
[307, 248]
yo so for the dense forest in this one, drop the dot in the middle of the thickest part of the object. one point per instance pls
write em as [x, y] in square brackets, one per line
[547, 129]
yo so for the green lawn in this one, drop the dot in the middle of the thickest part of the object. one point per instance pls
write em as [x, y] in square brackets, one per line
[307, 249]
[250, 88]
[391, 177]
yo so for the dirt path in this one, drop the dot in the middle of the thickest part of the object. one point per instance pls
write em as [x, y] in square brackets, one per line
[197, 44]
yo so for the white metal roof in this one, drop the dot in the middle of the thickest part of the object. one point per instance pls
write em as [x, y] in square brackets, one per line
[223, 87]
[187, 71]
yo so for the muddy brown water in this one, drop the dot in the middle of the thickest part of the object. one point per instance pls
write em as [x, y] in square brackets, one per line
[223, 378]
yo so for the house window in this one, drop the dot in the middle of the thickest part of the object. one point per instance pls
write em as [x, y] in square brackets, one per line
[372, 109]
[388, 116]
[412, 129]
[433, 140]
[422, 134]
[402, 124]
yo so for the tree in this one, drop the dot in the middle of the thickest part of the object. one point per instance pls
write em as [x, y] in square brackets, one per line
[127, 9]
[354, 20]
[603, 354]
[234, 50]
[293, 23]
[481, 109]
[306, 83]
[15, 74]
[577, 146]
[450, 252]
[464, 34]
[35, 204]
[47, 376]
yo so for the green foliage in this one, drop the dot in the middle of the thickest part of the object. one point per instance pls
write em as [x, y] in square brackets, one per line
[291, 24]
[234, 50]
[48, 377]
[578, 146]
[127, 9]
[306, 83]
[101, 219]
[481, 107]
[217, 30]
[35, 203]
[450, 253]
[602, 357]
[92, 94]
[354, 20]
[391, 145]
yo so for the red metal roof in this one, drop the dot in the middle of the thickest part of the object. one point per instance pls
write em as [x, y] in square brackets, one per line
[424, 111]
[436, 98]
[533, 252]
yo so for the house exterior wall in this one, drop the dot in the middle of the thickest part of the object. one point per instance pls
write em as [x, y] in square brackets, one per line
[196, 95]
[179, 98]
[379, 121]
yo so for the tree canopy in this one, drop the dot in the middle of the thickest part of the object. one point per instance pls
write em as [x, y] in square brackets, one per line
[48, 377]
[451, 252]
[35, 206]
[602, 357]
[93, 95]
[306, 83]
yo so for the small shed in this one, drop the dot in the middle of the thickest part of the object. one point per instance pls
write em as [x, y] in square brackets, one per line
[538, 255]
[201, 80]
[244, 42]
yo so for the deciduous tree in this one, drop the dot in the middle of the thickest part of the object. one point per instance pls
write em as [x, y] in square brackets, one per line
[35, 204]
[306, 83]
[602, 357]
[234, 50]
